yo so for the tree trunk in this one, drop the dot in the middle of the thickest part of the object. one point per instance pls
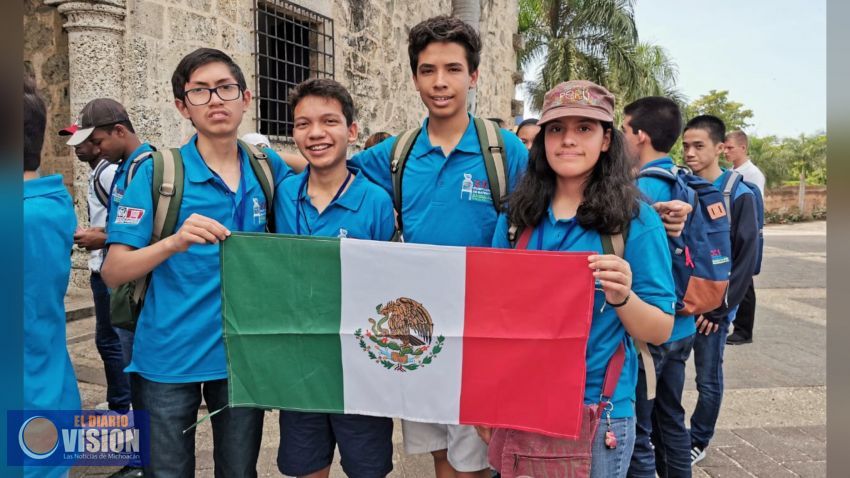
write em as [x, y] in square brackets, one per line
[801, 194]
[470, 12]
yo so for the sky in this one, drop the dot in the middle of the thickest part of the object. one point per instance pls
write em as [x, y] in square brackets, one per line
[769, 54]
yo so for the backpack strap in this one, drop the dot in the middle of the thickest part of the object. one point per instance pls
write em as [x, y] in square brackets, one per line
[728, 188]
[398, 158]
[134, 166]
[100, 192]
[616, 244]
[263, 171]
[495, 162]
[612, 375]
[524, 237]
[656, 171]
[167, 192]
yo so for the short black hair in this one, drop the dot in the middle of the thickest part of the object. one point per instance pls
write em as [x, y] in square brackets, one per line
[712, 124]
[35, 122]
[526, 122]
[324, 88]
[447, 29]
[197, 59]
[658, 117]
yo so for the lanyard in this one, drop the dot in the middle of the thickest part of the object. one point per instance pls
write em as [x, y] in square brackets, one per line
[302, 191]
[540, 228]
[238, 206]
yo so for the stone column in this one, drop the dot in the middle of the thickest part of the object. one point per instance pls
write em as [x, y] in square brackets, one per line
[95, 50]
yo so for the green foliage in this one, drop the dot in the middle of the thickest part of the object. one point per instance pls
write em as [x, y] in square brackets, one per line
[594, 40]
[784, 160]
[717, 103]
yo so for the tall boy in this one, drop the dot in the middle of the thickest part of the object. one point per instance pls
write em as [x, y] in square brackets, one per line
[330, 199]
[703, 144]
[737, 149]
[49, 223]
[178, 354]
[651, 128]
[444, 56]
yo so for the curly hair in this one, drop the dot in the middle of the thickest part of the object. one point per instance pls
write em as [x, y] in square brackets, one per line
[444, 28]
[610, 196]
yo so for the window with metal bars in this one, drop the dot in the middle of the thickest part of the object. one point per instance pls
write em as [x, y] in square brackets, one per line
[293, 44]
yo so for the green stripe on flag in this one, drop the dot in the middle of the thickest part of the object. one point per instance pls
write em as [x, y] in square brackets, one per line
[281, 309]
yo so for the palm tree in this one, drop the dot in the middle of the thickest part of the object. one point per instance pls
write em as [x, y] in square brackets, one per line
[595, 40]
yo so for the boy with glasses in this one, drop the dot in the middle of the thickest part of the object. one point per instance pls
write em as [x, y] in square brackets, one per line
[179, 352]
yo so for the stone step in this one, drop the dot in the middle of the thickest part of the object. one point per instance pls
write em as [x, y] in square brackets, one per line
[78, 304]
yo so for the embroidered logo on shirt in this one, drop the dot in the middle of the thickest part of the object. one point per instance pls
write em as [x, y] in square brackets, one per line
[259, 211]
[343, 233]
[129, 215]
[475, 189]
[117, 195]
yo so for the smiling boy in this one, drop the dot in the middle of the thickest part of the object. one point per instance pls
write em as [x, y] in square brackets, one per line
[178, 355]
[330, 199]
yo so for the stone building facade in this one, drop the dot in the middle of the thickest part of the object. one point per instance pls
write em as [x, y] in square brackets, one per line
[79, 50]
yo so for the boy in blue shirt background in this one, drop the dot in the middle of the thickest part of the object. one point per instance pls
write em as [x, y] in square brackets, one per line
[703, 144]
[178, 354]
[330, 199]
[662, 443]
[49, 223]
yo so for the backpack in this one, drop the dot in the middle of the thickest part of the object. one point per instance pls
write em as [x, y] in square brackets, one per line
[126, 300]
[495, 162]
[702, 253]
[101, 192]
[611, 244]
[729, 185]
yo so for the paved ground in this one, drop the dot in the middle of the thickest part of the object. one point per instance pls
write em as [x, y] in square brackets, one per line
[773, 421]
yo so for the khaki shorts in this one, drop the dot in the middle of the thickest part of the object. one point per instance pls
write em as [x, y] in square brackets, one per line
[466, 451]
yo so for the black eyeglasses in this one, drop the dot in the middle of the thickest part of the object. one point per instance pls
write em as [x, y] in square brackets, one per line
[202, 96]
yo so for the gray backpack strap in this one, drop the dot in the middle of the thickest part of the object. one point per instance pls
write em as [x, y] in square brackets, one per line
[134, 166]
[616, 244]
[728, 186]
[263, 171]
[495, 162]
[655, 169]
[398, 158]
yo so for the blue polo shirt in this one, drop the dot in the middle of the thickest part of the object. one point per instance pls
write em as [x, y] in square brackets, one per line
[647, 254]
[119, 181]
[49, 224]
[446, 200]
[659, 190]
[363, 211]
[179, 333]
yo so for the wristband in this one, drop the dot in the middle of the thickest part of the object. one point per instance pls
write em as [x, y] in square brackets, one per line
[621, 303]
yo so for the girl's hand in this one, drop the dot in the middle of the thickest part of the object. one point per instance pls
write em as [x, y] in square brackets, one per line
[485, 433]
[614, 274]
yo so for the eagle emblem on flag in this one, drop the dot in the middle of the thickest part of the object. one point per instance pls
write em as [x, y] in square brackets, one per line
[401, 339]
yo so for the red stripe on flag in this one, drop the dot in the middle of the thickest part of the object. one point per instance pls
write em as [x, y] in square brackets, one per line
[526, 325]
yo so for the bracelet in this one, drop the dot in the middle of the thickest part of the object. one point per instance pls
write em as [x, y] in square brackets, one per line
[621, 303]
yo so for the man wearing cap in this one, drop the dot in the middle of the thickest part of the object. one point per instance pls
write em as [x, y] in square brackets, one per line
[105, 123]
[97, 137]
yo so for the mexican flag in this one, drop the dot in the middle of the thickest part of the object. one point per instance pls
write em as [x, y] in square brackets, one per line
[426, 333]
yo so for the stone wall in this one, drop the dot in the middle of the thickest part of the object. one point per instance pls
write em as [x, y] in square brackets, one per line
[46, 59]
[128, 49]
[784, 199]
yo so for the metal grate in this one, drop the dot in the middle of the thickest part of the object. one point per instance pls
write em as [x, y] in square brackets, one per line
[293, 44]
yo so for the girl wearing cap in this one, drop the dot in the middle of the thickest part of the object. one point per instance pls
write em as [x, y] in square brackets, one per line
[577, 192]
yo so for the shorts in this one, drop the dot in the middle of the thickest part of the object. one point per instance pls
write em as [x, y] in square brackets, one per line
[467, 452]
[307, 442]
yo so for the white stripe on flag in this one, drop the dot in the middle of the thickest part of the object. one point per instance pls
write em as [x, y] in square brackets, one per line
[375, 273]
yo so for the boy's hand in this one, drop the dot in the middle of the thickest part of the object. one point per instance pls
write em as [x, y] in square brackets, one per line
[485, 433]
[705, 326]
[674, 214]
[90, 239]
[614, 274]
[197, 229]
